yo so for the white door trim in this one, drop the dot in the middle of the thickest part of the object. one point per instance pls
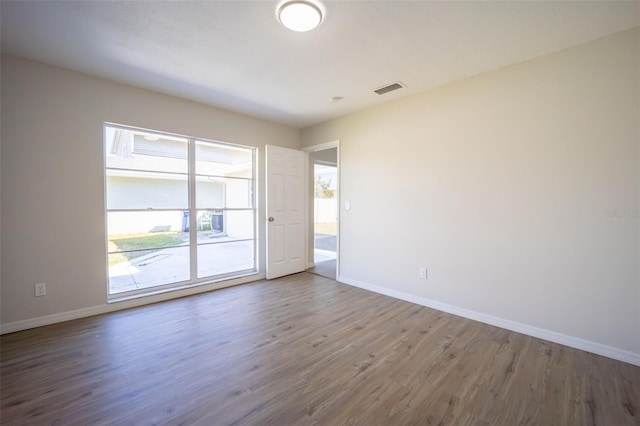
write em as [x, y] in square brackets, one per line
[322, 147]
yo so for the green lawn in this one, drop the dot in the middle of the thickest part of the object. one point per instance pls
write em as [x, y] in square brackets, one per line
[139, 242]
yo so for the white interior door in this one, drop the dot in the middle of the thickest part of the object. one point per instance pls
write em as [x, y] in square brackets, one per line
[286, 171]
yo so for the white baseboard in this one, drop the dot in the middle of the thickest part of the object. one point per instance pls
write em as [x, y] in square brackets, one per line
[124, 304]
[552, 336]
[54, 318]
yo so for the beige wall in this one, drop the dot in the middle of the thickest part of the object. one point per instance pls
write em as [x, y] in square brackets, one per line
[502, 185]
[52, 176]
[507, 186]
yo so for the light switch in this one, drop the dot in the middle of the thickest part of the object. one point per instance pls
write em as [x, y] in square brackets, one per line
[347, 205]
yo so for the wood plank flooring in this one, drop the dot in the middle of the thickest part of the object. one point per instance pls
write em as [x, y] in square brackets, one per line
[325, 269]
[303, 350]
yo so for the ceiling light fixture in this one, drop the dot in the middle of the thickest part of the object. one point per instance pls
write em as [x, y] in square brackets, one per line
[300, 15]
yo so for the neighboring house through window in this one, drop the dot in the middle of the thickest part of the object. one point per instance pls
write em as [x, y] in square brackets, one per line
[180, 210]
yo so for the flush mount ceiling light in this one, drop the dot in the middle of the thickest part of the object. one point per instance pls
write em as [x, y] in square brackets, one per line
[300, 15]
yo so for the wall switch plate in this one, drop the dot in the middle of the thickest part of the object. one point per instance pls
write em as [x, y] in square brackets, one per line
[41, 289]
[423, 272]
[347, 205]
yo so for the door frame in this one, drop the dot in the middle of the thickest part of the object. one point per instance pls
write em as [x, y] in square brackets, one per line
[310, 242]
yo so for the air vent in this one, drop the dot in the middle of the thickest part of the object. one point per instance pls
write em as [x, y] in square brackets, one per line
[389, 88]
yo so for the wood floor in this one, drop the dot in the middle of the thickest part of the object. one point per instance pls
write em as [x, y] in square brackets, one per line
[325, 269]
[303, 350]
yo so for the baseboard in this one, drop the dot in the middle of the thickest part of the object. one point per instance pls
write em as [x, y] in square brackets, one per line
[55, 318]
[125, 304]
[552, 336]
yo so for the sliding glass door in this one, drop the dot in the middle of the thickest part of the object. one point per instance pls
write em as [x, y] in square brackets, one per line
[225, 209]
[180, 211]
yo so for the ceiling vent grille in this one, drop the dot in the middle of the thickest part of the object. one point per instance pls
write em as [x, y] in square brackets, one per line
[389, 88]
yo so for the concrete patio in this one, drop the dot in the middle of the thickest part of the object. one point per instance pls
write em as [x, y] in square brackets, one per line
[171, 265]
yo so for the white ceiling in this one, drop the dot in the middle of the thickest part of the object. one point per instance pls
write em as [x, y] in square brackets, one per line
[236, 55]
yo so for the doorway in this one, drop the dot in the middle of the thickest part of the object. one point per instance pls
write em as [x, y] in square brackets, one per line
[324, 197]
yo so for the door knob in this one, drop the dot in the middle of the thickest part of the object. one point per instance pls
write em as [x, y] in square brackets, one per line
[271, 219]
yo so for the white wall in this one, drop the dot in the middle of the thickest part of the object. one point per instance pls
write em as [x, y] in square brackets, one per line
[122, 223]
[501, 186]
[141, 193]
[238, 224]
[52, 170]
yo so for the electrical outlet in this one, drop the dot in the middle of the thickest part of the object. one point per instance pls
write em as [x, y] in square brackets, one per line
[423, 272]
[41, 289]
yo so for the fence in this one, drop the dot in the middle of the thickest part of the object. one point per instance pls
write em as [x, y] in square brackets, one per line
[325, 210]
